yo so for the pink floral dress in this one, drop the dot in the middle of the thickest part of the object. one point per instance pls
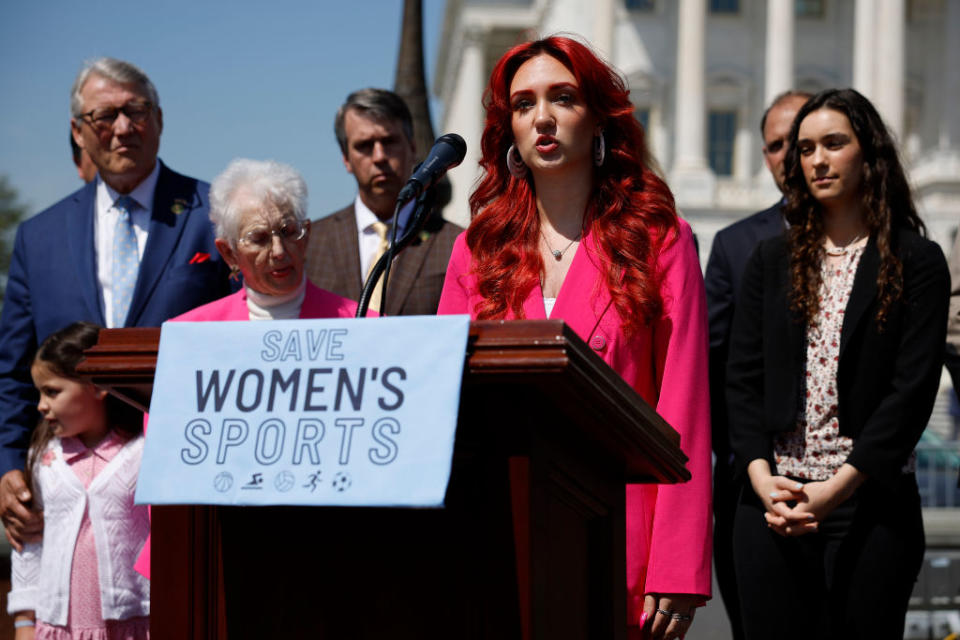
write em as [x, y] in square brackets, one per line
[85, 621]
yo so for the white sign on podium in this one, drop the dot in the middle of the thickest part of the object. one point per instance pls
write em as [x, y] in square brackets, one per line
[338, 412]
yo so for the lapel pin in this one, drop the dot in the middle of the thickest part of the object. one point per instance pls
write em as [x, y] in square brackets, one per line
[179, 206]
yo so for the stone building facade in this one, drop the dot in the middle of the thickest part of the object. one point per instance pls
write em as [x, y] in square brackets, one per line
[702, 71]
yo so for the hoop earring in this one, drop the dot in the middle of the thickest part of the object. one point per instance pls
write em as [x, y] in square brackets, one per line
[515, 163]
[599, 149]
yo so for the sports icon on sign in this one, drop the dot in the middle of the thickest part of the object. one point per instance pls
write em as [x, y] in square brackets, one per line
[313, 480]
[341, 481]
[223, 481]
[284, 481]
[256, 482]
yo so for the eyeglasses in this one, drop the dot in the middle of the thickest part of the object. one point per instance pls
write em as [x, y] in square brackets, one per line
[289, 231]
[104, 117]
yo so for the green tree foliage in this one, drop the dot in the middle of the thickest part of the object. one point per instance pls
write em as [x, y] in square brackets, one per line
[11, 212]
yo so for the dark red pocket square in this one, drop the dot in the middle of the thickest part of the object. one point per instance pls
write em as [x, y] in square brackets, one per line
[199, 257]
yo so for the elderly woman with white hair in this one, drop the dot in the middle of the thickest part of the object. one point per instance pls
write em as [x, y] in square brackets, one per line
[259, 210]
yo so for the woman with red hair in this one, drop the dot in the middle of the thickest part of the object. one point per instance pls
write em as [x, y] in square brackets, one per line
[569, 221]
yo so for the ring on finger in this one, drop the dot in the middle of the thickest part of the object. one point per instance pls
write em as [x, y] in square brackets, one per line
[669, 614]
[679, 617]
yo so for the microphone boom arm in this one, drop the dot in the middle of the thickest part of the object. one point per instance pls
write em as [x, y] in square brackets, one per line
[422, 209]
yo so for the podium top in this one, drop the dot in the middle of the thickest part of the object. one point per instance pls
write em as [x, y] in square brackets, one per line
[543, 357]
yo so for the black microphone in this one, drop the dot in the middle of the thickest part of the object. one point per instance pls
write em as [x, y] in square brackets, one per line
[447, 152]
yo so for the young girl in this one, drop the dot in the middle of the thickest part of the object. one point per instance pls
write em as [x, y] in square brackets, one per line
[79, 582]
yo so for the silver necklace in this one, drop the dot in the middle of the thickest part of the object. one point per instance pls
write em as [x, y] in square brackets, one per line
[558, 254]
[835, 252]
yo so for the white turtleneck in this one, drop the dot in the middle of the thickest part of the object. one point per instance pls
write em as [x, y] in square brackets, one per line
[283, 307]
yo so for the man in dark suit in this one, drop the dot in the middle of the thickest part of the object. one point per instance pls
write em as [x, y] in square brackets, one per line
[732, 247]
[132, 248]
[953, 326]
[375, 132]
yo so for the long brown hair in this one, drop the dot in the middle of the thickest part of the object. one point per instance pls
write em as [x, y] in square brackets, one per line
[885, 194]
[60, 353]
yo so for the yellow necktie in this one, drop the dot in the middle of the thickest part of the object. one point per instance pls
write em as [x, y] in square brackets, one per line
[381, 229]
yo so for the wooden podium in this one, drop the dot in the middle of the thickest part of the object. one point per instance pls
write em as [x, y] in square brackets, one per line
[530, 544]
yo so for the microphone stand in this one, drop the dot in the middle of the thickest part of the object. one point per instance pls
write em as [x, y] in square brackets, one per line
[418, 218]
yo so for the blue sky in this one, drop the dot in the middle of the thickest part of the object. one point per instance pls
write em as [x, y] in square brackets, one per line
[239, 78]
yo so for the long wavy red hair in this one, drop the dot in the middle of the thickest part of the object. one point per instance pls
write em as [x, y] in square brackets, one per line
[631, 213]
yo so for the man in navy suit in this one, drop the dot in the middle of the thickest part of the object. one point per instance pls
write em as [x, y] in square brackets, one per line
[732, 247]
[132, 248]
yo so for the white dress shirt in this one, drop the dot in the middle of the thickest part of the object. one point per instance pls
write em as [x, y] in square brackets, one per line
[104, 224]
[367, 238]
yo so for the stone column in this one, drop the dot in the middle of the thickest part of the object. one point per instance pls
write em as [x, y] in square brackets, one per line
[692, 179]
[743, 145]
[864, 32]
[466, 116]
[778, 75]
[949, 138]
[658, 137]
[890, 66]
[603, 25]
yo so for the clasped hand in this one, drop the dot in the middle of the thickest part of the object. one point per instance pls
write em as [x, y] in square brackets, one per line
[793, 508]
[787, 506]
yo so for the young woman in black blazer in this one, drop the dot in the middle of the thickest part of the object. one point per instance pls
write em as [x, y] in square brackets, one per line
[835, 361]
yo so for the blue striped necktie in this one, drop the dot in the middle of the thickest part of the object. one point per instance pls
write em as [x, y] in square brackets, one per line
[126, 260]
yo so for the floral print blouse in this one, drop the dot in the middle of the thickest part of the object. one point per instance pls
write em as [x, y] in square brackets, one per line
[815, 450]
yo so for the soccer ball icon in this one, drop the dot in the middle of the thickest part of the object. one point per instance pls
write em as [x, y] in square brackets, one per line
[223, 481]
[341, 481]
[284, 481]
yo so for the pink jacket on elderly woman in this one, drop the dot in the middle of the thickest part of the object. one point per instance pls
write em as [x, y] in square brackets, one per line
[317, 303]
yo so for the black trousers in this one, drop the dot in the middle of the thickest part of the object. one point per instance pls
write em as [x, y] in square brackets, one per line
[851, 579]
[726, 497]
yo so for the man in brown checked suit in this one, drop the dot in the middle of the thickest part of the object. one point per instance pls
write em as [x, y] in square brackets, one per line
[375, 132]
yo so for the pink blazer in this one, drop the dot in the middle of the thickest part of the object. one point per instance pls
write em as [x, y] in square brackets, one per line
[667, 365]
[317, 303]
